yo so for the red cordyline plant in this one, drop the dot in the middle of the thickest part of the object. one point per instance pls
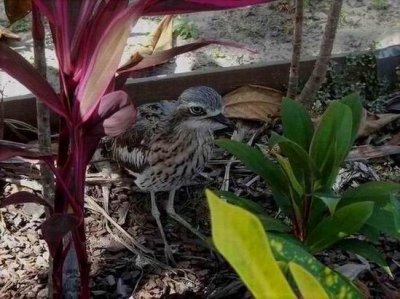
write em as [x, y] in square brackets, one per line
[89, 38]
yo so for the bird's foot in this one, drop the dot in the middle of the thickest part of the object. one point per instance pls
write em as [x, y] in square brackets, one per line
[169, 256]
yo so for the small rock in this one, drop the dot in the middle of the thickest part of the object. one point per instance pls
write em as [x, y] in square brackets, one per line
[98, 292]
[356, 3]
[135, 274]
[274, 33]
[33, 210]
[126, 276]
[318, 16]
[42, 294]
[110, 280]
[40, 261]
[122, 289]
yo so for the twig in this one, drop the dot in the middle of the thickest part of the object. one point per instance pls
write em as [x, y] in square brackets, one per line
[251, 182]
[296, 53]
[366, 152]
[43, 120]
[2, 114]
[96, 207]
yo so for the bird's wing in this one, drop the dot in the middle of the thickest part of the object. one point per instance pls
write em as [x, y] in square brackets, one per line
[133, 148]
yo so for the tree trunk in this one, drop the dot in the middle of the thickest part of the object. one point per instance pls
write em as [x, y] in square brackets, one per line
[296, 53]
[318, 75]
[43, 120]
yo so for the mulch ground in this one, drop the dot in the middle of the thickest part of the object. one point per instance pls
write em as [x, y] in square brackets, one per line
[200, 273]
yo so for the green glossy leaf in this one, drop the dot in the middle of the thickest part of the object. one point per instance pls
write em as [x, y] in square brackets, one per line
[330, 200]
[318, 211]
[256, 161]
[383, 220]
[332, 140]
[241, 239]
[270, 223]
[372, 233]
[288, 250]
[346, 221]
[297, 124]
[244, 203]
[378, 192]
[301, 163]
[353, 101]
[395, 202]
[308, 285]
[384, 195]
[367, 251]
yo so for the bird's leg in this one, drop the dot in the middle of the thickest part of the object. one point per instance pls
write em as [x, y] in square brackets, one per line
[171, 212]
[156, 214]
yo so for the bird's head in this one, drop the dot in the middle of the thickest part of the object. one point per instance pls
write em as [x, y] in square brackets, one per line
[200, 108]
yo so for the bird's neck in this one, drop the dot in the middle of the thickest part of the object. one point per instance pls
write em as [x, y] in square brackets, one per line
[180, 131]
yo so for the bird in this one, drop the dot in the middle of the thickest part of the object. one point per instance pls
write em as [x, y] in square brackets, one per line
[168, 145]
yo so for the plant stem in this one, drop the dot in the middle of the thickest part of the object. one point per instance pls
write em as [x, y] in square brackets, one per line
[75, 267]
[319, 72]
[43, 120]
[296, 53]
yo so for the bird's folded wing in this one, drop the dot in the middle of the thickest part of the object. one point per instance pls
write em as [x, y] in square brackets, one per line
[132, 148]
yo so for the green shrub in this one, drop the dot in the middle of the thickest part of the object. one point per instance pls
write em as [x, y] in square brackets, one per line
[301, 179]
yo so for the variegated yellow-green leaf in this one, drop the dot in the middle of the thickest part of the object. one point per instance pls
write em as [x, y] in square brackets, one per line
[288, 250]
[287, 168]
[308, 286]
[241, 239]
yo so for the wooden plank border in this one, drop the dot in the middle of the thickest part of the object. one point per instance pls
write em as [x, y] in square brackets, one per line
[166, 87]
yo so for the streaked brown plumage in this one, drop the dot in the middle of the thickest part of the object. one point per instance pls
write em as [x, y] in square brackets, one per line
[169, 144]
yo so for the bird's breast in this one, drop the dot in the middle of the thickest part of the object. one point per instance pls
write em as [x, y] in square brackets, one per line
[173, 164]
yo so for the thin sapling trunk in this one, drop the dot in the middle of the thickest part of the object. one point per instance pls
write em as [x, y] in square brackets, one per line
[296, 53]
[319, 72]
[43, 120]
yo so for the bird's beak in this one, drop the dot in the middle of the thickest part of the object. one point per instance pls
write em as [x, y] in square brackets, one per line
[222, 119]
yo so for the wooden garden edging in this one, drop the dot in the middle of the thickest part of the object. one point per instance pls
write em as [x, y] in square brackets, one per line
[166, 87]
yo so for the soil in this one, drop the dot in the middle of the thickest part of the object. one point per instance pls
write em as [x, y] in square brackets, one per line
[266, 29]
[115, 271]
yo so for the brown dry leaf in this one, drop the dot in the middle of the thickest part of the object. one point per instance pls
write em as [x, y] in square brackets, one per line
[371, 123]
[253, 102]
[160, 39]
[7, 34]
[395, 140]
[17, 9]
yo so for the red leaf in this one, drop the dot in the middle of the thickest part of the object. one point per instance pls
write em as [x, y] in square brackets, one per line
[105, 59]
[19, 68]
[56, 227]
[115, 113]
[164, 7]
[23, 197]
[161, 57]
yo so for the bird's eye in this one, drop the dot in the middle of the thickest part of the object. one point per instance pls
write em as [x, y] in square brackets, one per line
[197, 110]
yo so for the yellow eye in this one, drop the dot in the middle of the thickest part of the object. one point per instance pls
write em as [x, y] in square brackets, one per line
[197, 110]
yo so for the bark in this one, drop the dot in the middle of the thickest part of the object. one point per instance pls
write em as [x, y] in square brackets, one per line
[296, 53]
[1, 114]
[319, 72]
[43, 119]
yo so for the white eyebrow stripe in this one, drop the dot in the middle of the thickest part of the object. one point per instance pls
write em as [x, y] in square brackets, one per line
[215, 113]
